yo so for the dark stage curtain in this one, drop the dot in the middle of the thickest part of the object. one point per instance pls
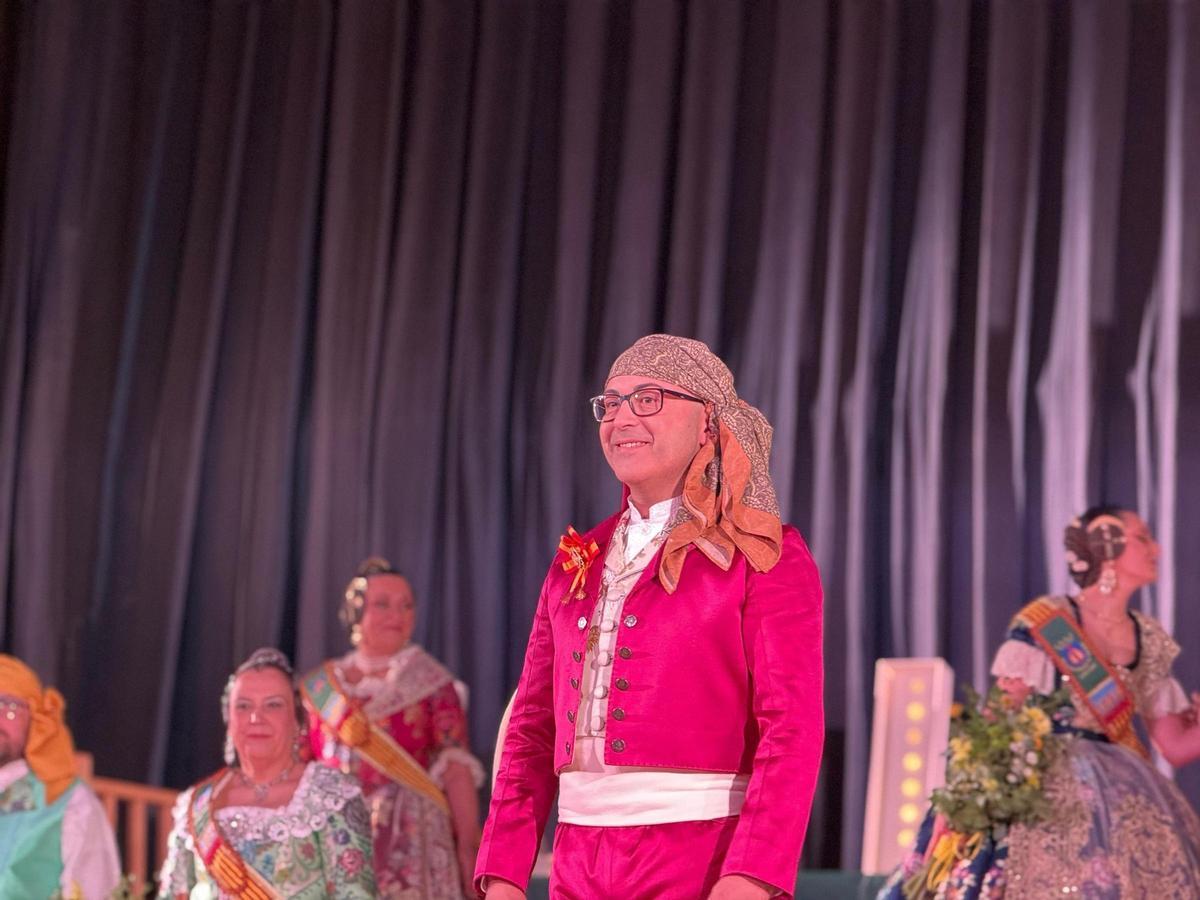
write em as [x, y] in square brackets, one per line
[286, 284]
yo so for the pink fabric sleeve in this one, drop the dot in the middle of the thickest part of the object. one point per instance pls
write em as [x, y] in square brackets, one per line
[525, 779]
[781, 630]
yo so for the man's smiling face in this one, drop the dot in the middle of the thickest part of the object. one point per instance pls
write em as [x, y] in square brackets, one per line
[651, 454]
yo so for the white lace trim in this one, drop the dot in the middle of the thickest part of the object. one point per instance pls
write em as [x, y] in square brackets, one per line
[1016, 659]
[369, 685]
[321, 791]
[411, 676]
[172, 879]
[437, 771]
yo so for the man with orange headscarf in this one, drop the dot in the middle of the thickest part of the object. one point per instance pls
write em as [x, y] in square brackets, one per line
[54, 835]
[672, 681]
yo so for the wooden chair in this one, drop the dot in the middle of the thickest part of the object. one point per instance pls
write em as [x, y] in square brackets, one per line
[140, 816]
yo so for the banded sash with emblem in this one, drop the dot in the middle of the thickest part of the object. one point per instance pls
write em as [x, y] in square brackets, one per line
[373, 743]
[233, 875]
[1093, 680]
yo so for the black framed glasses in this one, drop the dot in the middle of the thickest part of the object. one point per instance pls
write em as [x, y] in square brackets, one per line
[645, 401]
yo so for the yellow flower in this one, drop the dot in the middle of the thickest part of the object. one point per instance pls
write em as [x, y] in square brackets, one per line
[991, 785]
[1039, 720]
[960, 749]
[1034, 780]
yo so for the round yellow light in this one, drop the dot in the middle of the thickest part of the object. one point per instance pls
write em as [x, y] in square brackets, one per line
[912, 762]
[913, 736]
[915, 711]
[904, 837]
[916, 685]
[910, 787]
[909, 813]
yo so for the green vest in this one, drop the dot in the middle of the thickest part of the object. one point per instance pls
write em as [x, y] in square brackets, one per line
[31, 840]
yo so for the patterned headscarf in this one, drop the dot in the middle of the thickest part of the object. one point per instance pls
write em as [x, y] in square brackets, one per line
[728, 499]
[49, 750]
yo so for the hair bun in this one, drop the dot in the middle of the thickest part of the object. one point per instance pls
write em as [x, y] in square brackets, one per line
[1082, 565]
[1090, 540]
[375, 565]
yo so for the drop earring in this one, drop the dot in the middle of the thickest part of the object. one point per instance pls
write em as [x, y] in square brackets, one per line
[1108, 580]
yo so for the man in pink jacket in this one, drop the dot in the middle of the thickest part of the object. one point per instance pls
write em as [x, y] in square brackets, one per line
[672, 682]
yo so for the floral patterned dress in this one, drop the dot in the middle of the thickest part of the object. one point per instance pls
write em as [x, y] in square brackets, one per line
[417, 703]
[1119, 829]
[317, 846]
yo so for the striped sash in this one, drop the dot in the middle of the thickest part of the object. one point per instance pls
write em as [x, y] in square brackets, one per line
[326, 697]
[231, 873]
[1093, 680]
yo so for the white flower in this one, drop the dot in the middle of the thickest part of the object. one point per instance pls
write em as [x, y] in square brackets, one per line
[1031, 758]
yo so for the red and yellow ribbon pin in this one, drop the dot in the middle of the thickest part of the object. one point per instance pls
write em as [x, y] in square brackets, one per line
[580, 556]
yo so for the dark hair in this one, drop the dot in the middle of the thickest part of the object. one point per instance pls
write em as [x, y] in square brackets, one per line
[1091, 539]
[1090, 515]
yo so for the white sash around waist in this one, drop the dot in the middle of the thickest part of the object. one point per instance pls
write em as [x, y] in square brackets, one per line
[637, 795]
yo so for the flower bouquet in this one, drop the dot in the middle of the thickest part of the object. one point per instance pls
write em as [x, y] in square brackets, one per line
[999, 753]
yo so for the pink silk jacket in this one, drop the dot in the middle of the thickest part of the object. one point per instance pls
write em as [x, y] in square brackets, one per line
[725, 675]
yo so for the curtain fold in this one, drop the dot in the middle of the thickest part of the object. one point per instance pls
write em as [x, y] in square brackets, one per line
[286, 285]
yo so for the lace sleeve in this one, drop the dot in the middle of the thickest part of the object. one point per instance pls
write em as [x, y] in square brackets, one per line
[1017, 659]
[1158, 694]
[178, 874]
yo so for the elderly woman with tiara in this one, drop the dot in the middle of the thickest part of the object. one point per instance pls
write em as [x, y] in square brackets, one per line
[270, 825]
[1117, 827]
[390, 714]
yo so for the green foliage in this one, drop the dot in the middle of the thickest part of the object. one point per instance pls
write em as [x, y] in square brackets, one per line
[999, 754]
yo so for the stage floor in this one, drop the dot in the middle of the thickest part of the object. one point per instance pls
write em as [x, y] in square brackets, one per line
[818, 884]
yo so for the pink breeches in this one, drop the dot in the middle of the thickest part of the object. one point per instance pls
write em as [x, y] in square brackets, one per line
[676, 861]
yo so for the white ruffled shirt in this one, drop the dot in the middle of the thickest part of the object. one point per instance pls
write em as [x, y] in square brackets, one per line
[89, 849]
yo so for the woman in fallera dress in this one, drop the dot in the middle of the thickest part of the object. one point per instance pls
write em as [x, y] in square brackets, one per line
[390, 714]
[269, 825]
[1117, 828]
